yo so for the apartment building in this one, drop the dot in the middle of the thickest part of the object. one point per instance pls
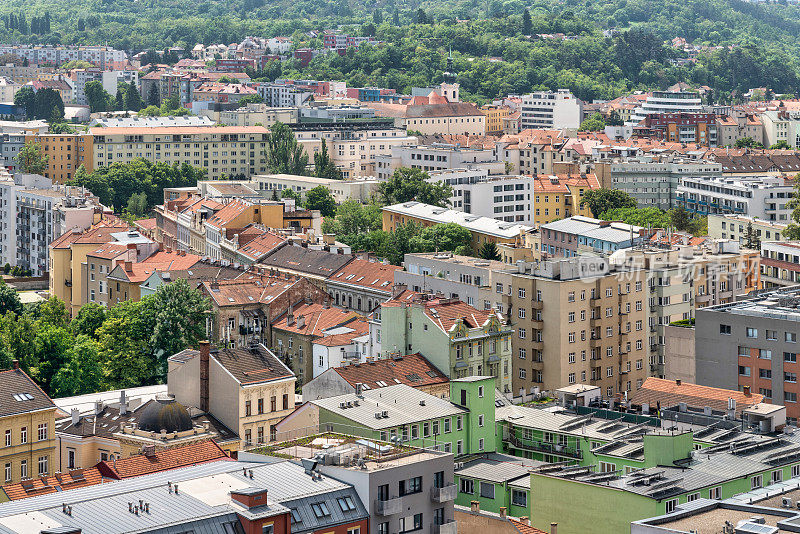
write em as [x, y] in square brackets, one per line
[699, 128]
[558, 196]
[433, 115]
[57, 55]
[361, 189]
[666, 102]
[457, 338]
[505, 198]
[781, 125]
[80, 78]
[735, 227]
[361, 284]
[255, 114]
[218, 150]
[494, 118]
[762, 197]
[551, 110]
[34, 213]
[282, 95]
[738, 124]
[780, 264]
[28, 421]
[579, 235]
[752, 344]
[483, 229]
[65, 153]
[354, 148]
[438, 157]
[651, 182]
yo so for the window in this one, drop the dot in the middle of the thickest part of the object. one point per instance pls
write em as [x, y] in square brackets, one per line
[692, 497]
[755, 482]
[765, 354]
[790, 337]
[41, 431]
[383, 528]
[8, 438]
[412, 485]
[23, 434]
[8, 472]
[765, 373]
[671, 505]
[459, 422]
[725, 329]
[796, 471]
[789, 377]
[606, 467]
[519, 498]
[480, 444]
[480, 419]
[744, 370]
[480, 392]
[447, 425]
[23, 469]
[346, 504]
[248, 409]
[789, 397]
[772, 335]
[487, 490]
[751, 332]
[777, 476]
[714, 493]
[411, 523]
[320, 509]
[426, 429]
[467, 486]
[790, 357]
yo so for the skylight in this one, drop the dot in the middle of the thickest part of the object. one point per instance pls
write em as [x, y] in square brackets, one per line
[23, 396]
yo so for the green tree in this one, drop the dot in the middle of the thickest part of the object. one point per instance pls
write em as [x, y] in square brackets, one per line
[780, 145]
[153, 98]
[747, 142]
[527, 24]
[422, 18]
[324, 166]
[645, 217]
[26, 98]
[17, 333]
[284, 154]
[9, 299]
[133, 100]
[176, 317]
[353, 219]
[489, 250]
[412, 184]
[60, 127]
[320, 198]
[602, 200]
[441, 237]
[31, 158]
[792, 231]
[97, 97]
[82, 371]
[751, 240]
[251, 99]
[51, 346]
[88, 320]
[137, 204]
[595, 123]
[124, 348]
[52, 312]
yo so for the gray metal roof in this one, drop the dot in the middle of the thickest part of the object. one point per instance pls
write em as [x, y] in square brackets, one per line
[310, 522]
[491, 471]
[400, 402]
[203, 492]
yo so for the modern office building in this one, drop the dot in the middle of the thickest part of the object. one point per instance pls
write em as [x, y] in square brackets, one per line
[762, 197]
[551, 110]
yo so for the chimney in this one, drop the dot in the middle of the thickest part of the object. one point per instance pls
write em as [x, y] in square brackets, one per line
[290, 316]
[76, 416]
[301, 321]
[553, 528]
[205, 349]
[131, 252]
[128, 265]
[123, 403]
[677, 381]
[98, 406]
[746, 391]
[15, 364]
[503, 512]
[474, 507]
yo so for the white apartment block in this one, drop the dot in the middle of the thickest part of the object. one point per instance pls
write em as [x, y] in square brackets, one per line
[82, 77]
[438, 157]
[111, 78]
[33, 213]
[781, 126]
[505, 198]
[253, 114]
[655, 183]
[361, 189]
[56, 55]
[354, 149]
[228, 150]
[763, 197]
[551, 110]
[734, 227]
[278, 95]
[667, 102]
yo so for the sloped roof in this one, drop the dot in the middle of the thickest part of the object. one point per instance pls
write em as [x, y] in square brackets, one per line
[76, 478]
[246, 365]
[368, 274]
[412, 370]
[20, 394]
[306, 260]
[246, 289]
[524, 528]
[160, 261]
[224, 216]
[317, 319]
[261, 245]
[671, 393]
[134, 466]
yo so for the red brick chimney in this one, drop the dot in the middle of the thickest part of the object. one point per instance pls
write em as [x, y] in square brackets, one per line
[205, 348]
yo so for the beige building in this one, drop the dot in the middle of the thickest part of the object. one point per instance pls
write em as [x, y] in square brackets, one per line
[27, 420]
[254, 115]
[735, 227]
[226, 150]
[434, 115]
[249, 390]
[361, 189]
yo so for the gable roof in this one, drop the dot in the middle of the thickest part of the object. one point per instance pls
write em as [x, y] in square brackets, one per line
[160, 261]
[670, 393]
[246, 289]
[192, 454]
[20, 394]
[227, 214]
[367, 274]
[524, 528]
[412, 370]
[306, 260]
[318, 317]
[261, 245]
[75, 478]
[246, 365]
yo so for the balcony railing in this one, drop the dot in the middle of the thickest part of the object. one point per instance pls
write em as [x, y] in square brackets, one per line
[545, 447]
[444, 494]
[389, 507]
[450, 527]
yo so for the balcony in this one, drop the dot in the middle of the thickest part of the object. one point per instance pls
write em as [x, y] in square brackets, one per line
[444, 494]
[545, 447]
[451, 527]
[389, 507]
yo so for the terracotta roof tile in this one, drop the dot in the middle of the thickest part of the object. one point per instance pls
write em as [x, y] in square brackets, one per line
[261, 245]
[670, 393]
[192, 454]
[364, 273]
[316, 319]
[413, 370]
[224, 216]
[524, 528]
[248, 289]
[76, 478]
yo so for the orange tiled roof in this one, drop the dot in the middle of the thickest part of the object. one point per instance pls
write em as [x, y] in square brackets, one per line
[524, 528]
[134, 466]
[413, 370]
[77, 478]
[146, 224]
[670, 393]
[97, 234]
[364, 273]
[261, 245]
[160, 261]
[563, 183]
[317, 319]
[251, 289]
[108, 251]
[224, 216]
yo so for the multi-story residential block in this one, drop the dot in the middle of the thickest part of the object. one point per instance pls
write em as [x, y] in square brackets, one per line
[457, 338]
[680, 127]
[125, 278]
[353, 147]
[781, 125]
[735, 227]
[560, 196]
[338, 113]
[306, 323]
[65, 154]
[499, 483]
[247, 389]
[505, 198]
[28, 422]
[34, 213]
[403, 489]
[483, 229]
[252, 114]
[762, 197]
[438, 157]
[578, 235]
[361, 285]
[412, 369]
[551, 110]
[666, 102]
[780, 264]
[282, 95]
[244, 308]
[361, 189]
[222, 92]
[653, 183]
[494, 118]
[57, 55]
[10, 145]
[752, 344]
[81, 77]
[738, 124]
[314, 263]
[219, 150]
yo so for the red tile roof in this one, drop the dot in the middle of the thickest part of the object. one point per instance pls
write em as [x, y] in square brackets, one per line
[562, 183]
[248, 289]
[524, 528]
[261, 245]
[160, 261]
[358, 327]
[224, 216]
[364, 273]
[97, 234]
[77, 478]
[443, 312]
[317, 319]
[670, 393]
[195, 453]
[413, 370]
